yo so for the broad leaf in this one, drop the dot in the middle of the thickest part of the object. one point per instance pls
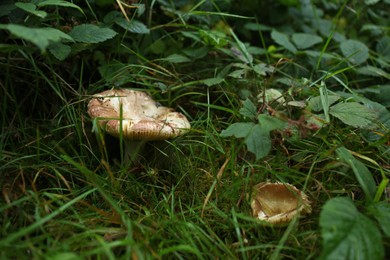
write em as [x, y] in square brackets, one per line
[315, 103]
[31, 8]
[238, 130]
[212, 81]
[176, 58]
[263, 69]
[282, 40]
[60, 3]
[305, 40]
[270, 123]
[362, 174]
[381, 212]
[347, 233]
[373, 71]
[259, 141]
[133, 26]
[248, 109]
[355, 51]
[354, 114]
[383, 48]
[90, 33]
[41, 37]
[60, 51]
[256, 137]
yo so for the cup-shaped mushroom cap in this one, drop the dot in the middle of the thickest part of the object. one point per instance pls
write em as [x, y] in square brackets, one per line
[140, 116]
[278, 203]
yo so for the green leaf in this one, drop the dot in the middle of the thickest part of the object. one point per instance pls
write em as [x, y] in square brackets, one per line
[133, 26]
[41, 37]
[248, 109]
[354, 114]
[90, 33]
[355, 51]
[362, 174]
[238, 130]
[256, 137]
[60, 51]
[381, 212]
[315, 103]
[383, 48]
[305, 40]
[270, 123]
[371, 2]
[348, 234]
[373, 71]
[31, 8]
[237, 74]
[244, 54]
[262, 69]
[60, 3]
[212, 81]
[282, 40]
[176, 58]
[259, 141]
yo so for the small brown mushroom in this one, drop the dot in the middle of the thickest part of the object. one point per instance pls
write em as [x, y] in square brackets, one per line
[278, 203]
[136, 116]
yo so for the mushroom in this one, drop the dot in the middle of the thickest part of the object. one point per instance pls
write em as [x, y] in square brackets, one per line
[278, 203]
[137, 117]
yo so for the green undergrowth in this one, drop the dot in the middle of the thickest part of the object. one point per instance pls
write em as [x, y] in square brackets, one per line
[281, 91]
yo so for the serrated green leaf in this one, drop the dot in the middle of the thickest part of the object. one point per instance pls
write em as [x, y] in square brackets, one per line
[212, 81]
[305, 40]
[270, 123]
[62, 3]
[283, 40]
[315, 103]
[373, 71]
[348, 234]
[383, 47]
[90, 33]
[381, 212]
[362, 174]
[355, 51]
[31, 8]
[263, 69]
[60, 51]
[133, 26]
[41, 37]
[259, 141]
[256, 137]
[237, 74]
[248, 109]
[354, 114]
[176, 58]
[238, 130]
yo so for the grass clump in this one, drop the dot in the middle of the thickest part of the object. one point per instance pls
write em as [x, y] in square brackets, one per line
[269, 97]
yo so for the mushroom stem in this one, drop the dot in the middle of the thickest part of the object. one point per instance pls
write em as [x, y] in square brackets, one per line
[132, 150]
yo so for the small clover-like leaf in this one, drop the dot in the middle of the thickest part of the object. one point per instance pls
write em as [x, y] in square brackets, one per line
[305, 40]
[355, 51]
[283, 40]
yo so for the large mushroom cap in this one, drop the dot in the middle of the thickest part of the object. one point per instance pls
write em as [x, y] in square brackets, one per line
[142, 118]
[277, 203]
